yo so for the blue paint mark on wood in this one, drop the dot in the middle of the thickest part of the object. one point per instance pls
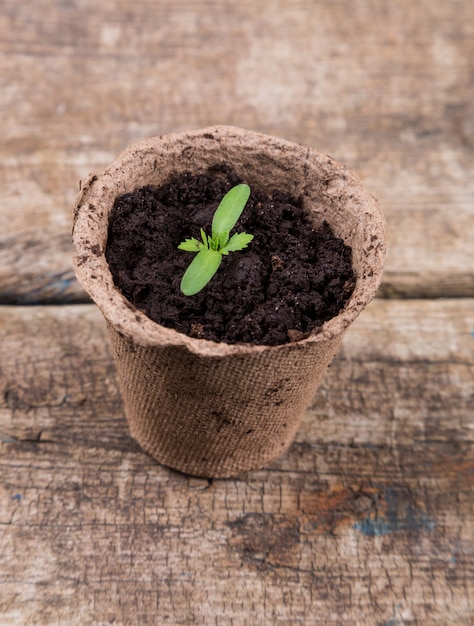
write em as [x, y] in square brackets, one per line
[396, 513]
[59, 288]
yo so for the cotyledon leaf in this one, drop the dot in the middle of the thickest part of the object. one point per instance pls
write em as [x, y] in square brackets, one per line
[200, 271]
[230, 209]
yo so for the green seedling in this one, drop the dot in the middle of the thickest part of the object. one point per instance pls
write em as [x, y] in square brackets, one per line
[211, 249]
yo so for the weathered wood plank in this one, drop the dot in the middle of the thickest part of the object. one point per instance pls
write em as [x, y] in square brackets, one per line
[416, 358]
[36, 267]
[368, 519]
[384, 87]
[388, 351]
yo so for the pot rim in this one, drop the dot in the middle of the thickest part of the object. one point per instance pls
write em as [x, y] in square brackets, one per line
[90, 224]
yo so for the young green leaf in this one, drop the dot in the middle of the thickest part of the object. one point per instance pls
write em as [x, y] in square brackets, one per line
[222, 241]
[190, 245]
[204, 238]
[238, 241]
[200, 271]
[230, 209]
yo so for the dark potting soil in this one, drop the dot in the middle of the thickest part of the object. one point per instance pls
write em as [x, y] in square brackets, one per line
[289, 281]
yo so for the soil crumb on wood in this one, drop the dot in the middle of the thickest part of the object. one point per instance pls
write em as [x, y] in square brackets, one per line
[287, 283]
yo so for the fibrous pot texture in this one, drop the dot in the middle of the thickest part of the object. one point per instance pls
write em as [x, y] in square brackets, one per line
[215, 409]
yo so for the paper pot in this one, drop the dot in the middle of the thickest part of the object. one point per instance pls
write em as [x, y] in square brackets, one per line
[213, 409]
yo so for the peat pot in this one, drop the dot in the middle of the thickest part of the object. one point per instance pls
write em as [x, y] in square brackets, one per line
[214, 409]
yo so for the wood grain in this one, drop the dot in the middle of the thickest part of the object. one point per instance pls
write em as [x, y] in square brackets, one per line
[384, 87]
[36, 267]
[368, 519]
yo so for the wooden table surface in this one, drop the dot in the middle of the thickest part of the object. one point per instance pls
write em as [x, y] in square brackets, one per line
[369, 518]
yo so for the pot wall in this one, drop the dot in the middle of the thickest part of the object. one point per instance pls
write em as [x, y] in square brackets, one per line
[216, 416]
